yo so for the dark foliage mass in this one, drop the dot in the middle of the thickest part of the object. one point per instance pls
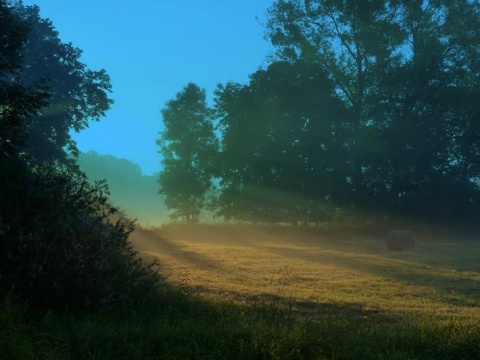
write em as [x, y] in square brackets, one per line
[189, 148]
[59, 244]
[284, 145]
[368, 105]
[76, 94]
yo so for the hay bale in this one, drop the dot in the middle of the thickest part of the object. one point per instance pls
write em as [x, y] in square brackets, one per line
[401, 240]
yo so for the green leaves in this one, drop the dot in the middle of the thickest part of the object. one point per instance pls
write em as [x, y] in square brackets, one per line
[189, 148]
[278, 157]
[76, 93]
[392, 62]
[368, 105]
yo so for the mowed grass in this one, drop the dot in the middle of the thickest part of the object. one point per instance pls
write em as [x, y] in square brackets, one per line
[244, 292]
[315, 273]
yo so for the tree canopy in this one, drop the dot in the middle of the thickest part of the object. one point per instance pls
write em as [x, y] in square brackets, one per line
[367, 105]
[76, 94]
[188, 146]
[279, 160]
[17, 101]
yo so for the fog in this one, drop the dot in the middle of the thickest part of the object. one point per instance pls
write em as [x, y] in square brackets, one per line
[304, 178]
[312, 116]
[131, 191]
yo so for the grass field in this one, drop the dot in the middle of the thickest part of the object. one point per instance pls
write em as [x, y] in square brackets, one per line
[245, 292]
[316, 273]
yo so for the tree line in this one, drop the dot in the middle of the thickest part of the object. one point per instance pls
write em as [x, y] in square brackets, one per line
[367, 106]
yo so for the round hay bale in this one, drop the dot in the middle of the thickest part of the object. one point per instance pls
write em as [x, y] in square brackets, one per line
[401, 240]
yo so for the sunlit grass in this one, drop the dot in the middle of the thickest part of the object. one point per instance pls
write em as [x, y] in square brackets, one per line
[273, 293]
[317, 273]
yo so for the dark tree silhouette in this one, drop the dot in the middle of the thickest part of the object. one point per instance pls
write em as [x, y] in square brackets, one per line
[59, 246]
[76, 93]
[17, 101]
[188, 146]
[283, 153]
[353, 42]
[408, 70]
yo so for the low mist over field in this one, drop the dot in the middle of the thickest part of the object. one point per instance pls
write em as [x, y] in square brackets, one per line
[304, 176]
[320, 273]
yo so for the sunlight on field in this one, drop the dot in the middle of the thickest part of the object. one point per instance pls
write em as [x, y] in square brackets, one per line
[317, 273]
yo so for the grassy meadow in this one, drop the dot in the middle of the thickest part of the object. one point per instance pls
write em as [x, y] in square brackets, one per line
[317, 273]
[259, 292]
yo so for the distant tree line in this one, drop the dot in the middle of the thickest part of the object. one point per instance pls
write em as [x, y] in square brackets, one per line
[132, 191]
[368, 106]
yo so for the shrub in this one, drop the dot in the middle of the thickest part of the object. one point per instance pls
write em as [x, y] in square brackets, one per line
[59, 246]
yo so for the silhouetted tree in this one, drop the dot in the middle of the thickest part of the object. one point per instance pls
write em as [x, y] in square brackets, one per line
[76, 93]
[283, 153]
[17, 104]
[353, 41]
[408, 70]
[429, 115]
[188, 146]
[59, 246]
[17, 101]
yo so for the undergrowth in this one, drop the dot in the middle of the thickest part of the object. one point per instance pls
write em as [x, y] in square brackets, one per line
[60, 248]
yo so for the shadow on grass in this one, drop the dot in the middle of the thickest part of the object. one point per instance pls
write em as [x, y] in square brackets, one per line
[349, 250]
[151, 244]
[320, 311]
[175, 326]
[457, 287]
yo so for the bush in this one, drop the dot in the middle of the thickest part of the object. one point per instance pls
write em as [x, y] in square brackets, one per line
[59, 246]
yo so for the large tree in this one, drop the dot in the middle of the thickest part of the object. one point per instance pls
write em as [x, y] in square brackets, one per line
[188, 146]
[354, 42]
[429, 116]
[76, 93]
[279, 161]
[58, 245]
[17, 104]
[409, 71]
[17, 101]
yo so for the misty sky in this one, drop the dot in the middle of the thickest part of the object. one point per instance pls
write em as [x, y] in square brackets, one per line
[151, 49]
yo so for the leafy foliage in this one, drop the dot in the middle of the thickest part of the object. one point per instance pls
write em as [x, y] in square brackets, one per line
[189, 147]
[369, 105]
[17, 101]
[76, 93]
[278, 152]
[60, 247]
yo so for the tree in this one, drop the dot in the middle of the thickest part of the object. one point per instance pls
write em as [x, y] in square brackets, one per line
[353, 41]
[17, 101]
[429, 112]
[59, 247]
[188, 146]
[409, 71]
[278, 160]
[76, 93]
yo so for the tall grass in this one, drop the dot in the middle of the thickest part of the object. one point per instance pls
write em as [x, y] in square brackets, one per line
[173, 325]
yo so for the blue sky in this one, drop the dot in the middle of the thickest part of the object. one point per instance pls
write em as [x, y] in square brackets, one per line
[151, 50]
